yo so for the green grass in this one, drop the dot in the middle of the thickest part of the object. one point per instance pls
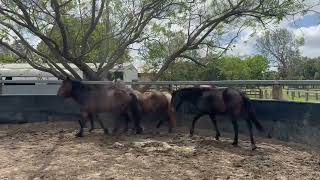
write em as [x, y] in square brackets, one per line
[288, 97]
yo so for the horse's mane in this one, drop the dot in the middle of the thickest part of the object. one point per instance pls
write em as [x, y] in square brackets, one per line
[192, 90]
[79, 86]
[189, 94]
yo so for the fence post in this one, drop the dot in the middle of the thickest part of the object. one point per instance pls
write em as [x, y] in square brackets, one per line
[277, 92]
[266, 94]
[1, 84]
[307, 96]
[134, 86]
[260, 94]
[293, 95]
[170, 88]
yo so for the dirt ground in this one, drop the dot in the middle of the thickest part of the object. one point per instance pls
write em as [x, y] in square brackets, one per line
[51, 151]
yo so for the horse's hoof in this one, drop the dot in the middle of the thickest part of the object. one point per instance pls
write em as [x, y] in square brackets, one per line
[105, 131]
[190, 135]
[235, 144]
[90, 130]
[217, 138]
[253, 147]
[139, 131]
[79, 134]
[170, 131]
[191, 132]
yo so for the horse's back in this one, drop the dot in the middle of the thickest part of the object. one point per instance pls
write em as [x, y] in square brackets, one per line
[154, 101]
[232, 95]
[168, 96]
[211, 101]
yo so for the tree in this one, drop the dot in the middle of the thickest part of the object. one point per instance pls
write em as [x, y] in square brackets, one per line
[226, 68]
[183, 71]
[96, 54]
[282, 48]
[258, 66]
[306, 68]
[192, 26]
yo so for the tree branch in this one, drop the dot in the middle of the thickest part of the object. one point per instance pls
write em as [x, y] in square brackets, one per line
[94, 22]
[63, 31]
[192, 59]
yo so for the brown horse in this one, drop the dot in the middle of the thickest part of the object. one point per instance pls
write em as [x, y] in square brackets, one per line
[159, 104]
[218, 101]
[106, 99]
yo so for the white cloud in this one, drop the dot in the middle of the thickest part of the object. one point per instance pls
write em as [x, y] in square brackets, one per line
[311, 36]
[245, 44]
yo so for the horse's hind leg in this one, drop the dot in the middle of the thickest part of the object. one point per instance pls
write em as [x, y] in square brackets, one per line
[116, 126]
[136, 118]
[168, 117]
[159, 123]
[249, 124]
[105, 130]
[172, 121]
[235, 128]
[126, 123]
[195, 119]
[214, 122]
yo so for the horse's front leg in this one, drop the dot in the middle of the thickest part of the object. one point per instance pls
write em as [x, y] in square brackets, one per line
[195, 119]
[91, 122]
[82, 121]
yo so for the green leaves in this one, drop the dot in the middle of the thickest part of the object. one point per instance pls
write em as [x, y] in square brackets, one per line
[7, 58]
[161, 31]
[226, 68]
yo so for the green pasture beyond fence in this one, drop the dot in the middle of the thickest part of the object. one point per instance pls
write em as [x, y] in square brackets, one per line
[287, 90]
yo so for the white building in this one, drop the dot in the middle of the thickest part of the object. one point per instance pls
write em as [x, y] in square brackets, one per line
[18, 71]
[126, 72]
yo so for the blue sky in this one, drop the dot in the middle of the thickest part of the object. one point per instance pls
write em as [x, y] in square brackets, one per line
[307, 26]
[306, 21]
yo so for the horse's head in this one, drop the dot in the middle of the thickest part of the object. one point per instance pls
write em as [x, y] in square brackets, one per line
[66, 88]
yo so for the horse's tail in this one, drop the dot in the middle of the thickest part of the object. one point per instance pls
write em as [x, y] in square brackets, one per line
[176, 100]
[251, 112]
[135, 110]
[171, 110]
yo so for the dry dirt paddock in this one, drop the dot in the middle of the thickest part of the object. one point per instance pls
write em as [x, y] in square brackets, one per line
[51, 151]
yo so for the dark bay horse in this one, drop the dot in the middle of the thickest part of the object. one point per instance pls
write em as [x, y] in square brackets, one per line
[214, 101]
[100, 100]
[158, 104]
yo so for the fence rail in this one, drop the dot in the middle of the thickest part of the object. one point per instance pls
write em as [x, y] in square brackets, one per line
[224, 82]
[291, 90]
